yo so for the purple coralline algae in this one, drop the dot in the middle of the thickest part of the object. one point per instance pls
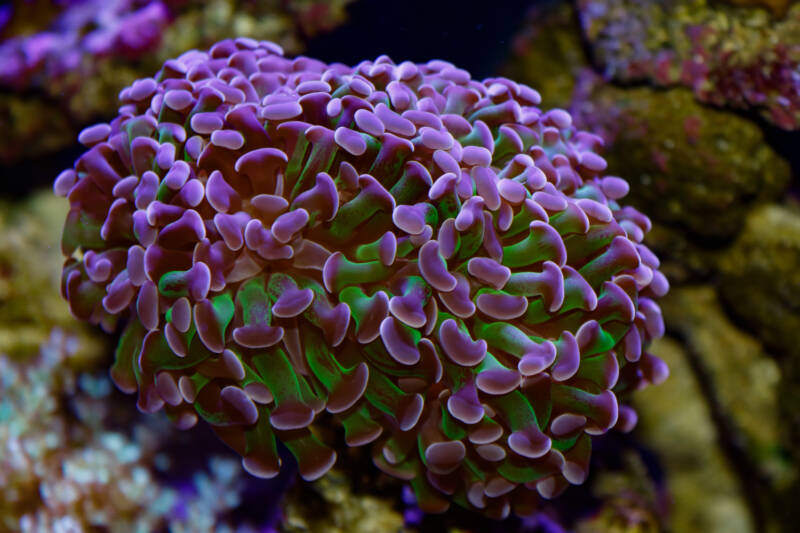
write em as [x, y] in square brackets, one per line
[729, 56]
[432, 263]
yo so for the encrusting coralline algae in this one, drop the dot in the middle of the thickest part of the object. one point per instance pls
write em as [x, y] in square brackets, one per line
[436, 262]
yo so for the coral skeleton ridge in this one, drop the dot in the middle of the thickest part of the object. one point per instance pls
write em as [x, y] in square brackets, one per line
[432, 263]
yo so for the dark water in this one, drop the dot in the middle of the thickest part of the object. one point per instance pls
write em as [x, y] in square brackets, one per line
[474, 34]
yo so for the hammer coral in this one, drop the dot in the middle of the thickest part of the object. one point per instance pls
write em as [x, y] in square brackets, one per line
[432, 263]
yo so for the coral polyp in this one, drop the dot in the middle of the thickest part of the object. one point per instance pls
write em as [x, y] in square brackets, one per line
[432, 263]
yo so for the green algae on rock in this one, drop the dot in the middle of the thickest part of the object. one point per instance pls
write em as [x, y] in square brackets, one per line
[30, 262]
[548, 53]
[330, 505]
[690, 166]
[732, 361]
[631, 500]
[760, 285]
[675, 420]
[760, 281]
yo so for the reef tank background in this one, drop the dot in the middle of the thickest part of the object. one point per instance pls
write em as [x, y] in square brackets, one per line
[698, 103]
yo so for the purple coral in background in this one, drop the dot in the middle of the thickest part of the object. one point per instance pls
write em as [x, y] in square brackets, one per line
[430, 262]
[729, 56]
[96, 28]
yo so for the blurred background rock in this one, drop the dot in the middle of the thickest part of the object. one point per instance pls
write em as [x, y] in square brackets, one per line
[699, 105]
[697, 102]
